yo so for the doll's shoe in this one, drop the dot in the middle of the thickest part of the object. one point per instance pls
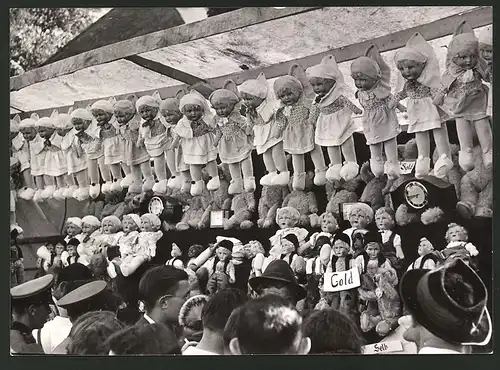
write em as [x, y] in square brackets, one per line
[392, 170]
[349, 171]
[160, 187]
[235, 186]
[186, 186]
[37, 197]
[69, 191]
[299, 181]
[249, 184]
[106, 187]
[267, 180]
[175, 182]
[94, 190]
[58, 194]
[281, 179]
[442, 166]
[81, 194]
[320, 177]
[466, 210]
[26, 193]
[377, 166]
[333, 172]
[116, 186]
[148, 185]
[422, 167]
[213, 183]
[488, 159]
[197, 187]
[48, 192]
[127, 181]
[465, 159]
[135, 187]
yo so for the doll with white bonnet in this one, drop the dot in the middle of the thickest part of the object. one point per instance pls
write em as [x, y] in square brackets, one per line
[419, 67]
[294, 92]
[331, 114]
[233, 138]
[485, 38]
[113, 144]
[426, 260]
[21, 151]
[457, 236]
[73, 229]
[372, 77]
[260, 114]
[154, 136]
[196, 139]
[90, 230]
[466, 97]
[135, 156]
[391, 242]
[176, 255]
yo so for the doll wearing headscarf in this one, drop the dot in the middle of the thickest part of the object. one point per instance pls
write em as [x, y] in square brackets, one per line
[233, 138]
[154, 136]
[88, 246]
[88, 143]
[135, 156]
[297, 130]
[465, 95]
[73, 229]
[485, 38]
[419, 67]
[261, 109]
[331, 114]
[197, 141]
[372, 76]
[20, 150]
[113, 144]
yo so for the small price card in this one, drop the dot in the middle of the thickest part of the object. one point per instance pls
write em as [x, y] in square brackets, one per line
[338, 281]
[382, 347]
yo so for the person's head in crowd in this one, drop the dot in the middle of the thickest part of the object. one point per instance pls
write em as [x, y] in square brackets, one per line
[447, 307]
[90, 332]
[269, 325]
[154, 339]
[15, 232]
[332, 332]
[278, 279]
[163, 290]
[230, 329]
[190, 317]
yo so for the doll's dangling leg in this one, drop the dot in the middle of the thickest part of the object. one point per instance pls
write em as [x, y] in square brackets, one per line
[197, 181]
[335, 156]
[61, 188]
[82, 193]
[95, 186]
[136, 175]
[392, 163]
[129, 176]
[267, 179]
[175, 180]
[320, 167]
[70, 186]
[28, 191]
[444, 163]
[161, 174]
[279, 158]
[464, 132]
[37, 197]
[214, 182]
[50, 187]
[299, 172]
[236, 183]
[186, 181]
[350, 169]
[376, 160]
[116, 172]
[485, 137]
[248, 177]
[147, 174]
[423, 165]
[106, 175]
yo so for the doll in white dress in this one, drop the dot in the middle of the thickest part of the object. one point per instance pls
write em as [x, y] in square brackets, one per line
[91, 228]
[73, 229]
[21, 151]
[485, 38]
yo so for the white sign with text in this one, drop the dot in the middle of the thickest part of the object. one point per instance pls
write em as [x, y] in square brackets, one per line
[406, 167]
[338, 281]
[382, 347]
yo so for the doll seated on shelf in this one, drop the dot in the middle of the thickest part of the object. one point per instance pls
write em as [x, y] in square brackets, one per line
[457, 236]
[70, 255]
[360, 215]
[287, 219]
[176, 255]
[220, 267]
[391, 242]
[88, 246]
[126, 238]
[427, 259]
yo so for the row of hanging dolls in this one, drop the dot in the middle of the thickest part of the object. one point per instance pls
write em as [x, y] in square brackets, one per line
[68, 154]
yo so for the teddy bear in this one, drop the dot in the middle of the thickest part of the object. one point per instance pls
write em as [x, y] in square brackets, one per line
[305, 202]
[270, 199]
[243, 207]
[193, 214]
[339, 192]
[182, 198]
[94, 207]
[220, 200]
[114, 204]
[372, 193]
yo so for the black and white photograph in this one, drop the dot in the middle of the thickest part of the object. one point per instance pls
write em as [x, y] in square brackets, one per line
[212, 181]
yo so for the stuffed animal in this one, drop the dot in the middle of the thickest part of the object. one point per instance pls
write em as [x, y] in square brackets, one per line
[339, 192]
[114, 204]
[183, 198]
[220, 200]
[270, 199]
[372, 193]
[193, 215]
[305, 202]
[243, 206]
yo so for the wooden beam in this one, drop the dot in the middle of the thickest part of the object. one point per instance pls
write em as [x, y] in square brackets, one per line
[172, 36]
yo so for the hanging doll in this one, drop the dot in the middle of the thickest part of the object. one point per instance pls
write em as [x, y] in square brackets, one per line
[73, 229]
[20, 150]
[391, 242]
[70, 255]
[220, 267]
[331, 114]
[419, 67]
[113, 145]
[260, 114]
[135, 156]
[372, 76]
[176, 255]
[426, 260]
[196, 139]
[233, 138]
[359, 215]
[90, 230]
[294, 92]
[485, 39]
[465, 96]
[457, 236]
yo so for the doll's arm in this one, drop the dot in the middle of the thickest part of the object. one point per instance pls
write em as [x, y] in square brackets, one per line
[176, 141]
[399, 249]
[128, 267]
[178, 264]
[258, 262]
[218, 135]
[201, 259]
[230, 272]
[439, 95]
[350, 105]
[313, 114]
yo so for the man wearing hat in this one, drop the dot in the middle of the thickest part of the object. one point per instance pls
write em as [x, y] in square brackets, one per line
[278, 279]
[30, 310]
[448, 309]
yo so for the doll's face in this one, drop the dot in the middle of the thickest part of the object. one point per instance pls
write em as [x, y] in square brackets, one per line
[329, 223]
[62, 131]
[29, 133]
[321, 86]
[123, 117]
[88, 229]
[287, 246]
[384, 221]
[223, 254]
[251, 101]
[71, 250]
[467, 59]
[456, 234]
[410, 69]
[362, 81]
[148, 113]
[425, 247]
[108, 227]
[50, 248]
[59, 249]
[128, 225]
[486, 53]
[171, 116]
[222, 108]
[102, 117]
[358, 219]
[45, 132]
[288, 96]
[146, 225]
[193, 112]
[285, 220]
[176, 251]
[80, 124]
[340, 248]
[72, 229]
[371, 269]
[373, 251]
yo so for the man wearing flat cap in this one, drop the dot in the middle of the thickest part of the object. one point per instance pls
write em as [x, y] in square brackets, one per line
[30, 310]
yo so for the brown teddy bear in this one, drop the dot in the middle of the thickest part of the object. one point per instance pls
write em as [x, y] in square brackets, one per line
[220, 200]
[305, 202]
[372, 193]
[114, 204]
[270, 199]
[193, 214]
[339, 192]
[243, 206]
